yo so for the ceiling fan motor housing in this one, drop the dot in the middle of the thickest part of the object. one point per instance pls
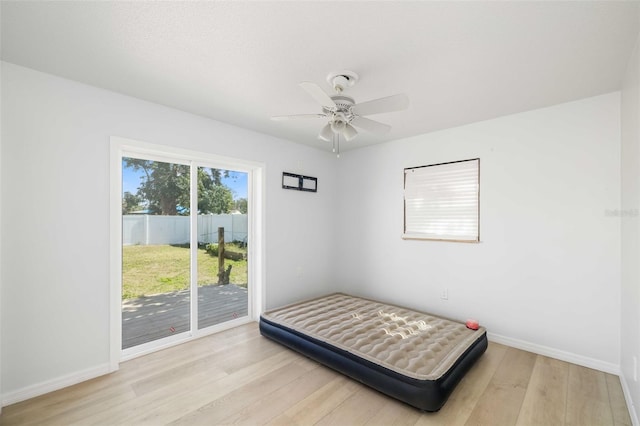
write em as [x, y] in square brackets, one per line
[342, 80]
[342, 112]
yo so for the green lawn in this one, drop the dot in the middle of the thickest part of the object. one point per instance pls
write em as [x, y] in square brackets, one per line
[148, 270]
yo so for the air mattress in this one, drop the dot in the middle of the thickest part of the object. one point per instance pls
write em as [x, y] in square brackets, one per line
[412, 356]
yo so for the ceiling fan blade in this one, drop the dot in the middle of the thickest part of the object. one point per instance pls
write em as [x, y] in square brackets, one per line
[296, 117]
[318, 94]
[349, 132]
[370, 125]
[377, 106]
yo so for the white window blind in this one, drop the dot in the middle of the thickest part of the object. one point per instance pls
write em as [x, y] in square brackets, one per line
[441, 202]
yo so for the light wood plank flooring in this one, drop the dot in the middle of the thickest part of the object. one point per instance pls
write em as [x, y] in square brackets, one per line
[239, 377]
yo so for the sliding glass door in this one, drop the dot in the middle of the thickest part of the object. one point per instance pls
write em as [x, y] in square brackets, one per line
[185, 240]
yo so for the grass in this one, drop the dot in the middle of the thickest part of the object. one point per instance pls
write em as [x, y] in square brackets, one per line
[148, 270]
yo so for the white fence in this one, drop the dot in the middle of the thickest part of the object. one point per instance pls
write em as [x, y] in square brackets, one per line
[151, 229]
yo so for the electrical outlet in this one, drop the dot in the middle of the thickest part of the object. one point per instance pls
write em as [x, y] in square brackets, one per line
[444, 294]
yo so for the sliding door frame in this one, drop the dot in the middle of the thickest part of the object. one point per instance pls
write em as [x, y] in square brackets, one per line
[121, 147]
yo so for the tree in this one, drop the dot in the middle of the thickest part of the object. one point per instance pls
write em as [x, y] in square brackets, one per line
[130, 202]
[241, 205]
[165, 186]
[213, 196]
[217, 175]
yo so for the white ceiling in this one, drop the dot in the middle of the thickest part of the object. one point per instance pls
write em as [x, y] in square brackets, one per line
[240, 62]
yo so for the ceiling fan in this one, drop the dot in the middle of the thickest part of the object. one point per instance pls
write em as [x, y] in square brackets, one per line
[341, 111]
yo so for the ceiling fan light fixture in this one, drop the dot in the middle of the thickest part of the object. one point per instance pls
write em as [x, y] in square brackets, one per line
[326, 134]
[349, 132]
[338, 126]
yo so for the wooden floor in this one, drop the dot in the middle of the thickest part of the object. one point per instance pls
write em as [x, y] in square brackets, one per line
[240, 377]
[153, 317]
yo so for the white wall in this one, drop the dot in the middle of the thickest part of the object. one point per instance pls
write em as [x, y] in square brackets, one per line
[547, 270]
[55, 162]
[1, 137]
[630, 318]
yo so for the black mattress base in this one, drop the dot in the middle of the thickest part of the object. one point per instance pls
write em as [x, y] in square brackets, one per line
[426, 395]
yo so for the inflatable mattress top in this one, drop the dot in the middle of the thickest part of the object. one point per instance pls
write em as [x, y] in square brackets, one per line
[410, 343]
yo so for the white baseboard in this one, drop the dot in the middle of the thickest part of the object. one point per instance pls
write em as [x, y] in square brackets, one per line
[627, 397]
[53, 385]
[596, 364]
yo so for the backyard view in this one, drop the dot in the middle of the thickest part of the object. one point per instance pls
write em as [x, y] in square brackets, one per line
[170, 266]
[156, 255]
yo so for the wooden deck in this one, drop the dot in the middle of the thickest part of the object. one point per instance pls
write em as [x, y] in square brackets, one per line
[149, 318]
